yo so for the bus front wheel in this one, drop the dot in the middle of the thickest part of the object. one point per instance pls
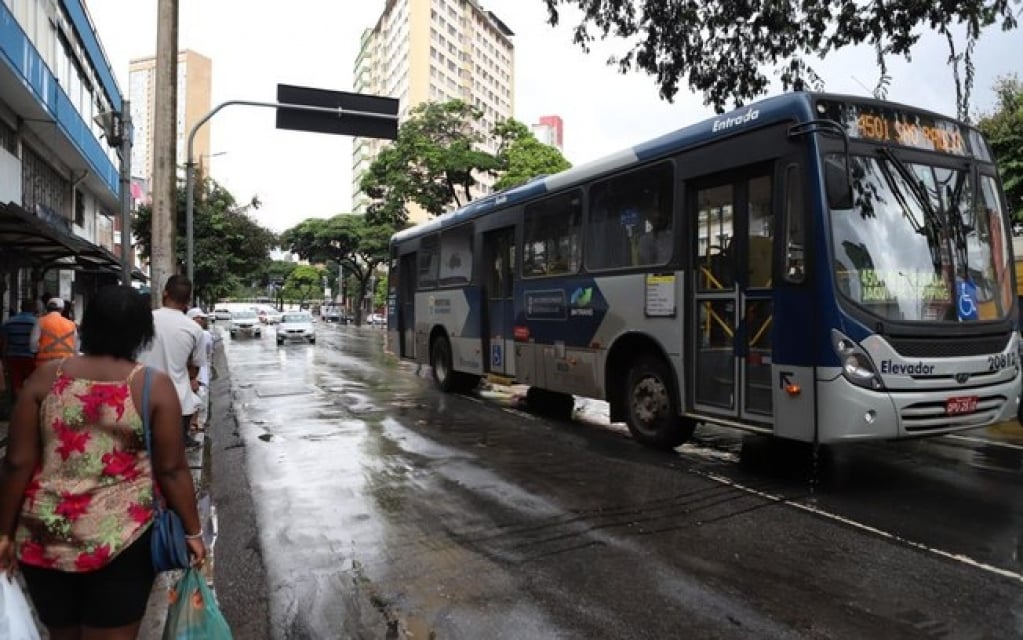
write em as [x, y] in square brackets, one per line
[651, 408]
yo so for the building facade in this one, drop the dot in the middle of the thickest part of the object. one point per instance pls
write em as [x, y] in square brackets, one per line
[435, 50]
[59, 179]
[550, 130]
[195, 77]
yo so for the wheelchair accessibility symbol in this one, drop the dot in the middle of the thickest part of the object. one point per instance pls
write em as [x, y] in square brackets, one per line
[496, 356]
[967, 305]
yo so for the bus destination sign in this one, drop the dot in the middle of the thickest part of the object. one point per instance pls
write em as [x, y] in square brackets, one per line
[907, 129]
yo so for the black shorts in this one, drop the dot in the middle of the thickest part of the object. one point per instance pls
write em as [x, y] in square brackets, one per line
[113, 596]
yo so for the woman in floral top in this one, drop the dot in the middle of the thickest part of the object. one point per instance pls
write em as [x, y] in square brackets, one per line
[76, 488]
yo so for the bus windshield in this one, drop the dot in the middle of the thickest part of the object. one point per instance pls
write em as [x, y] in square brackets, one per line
[922, 243]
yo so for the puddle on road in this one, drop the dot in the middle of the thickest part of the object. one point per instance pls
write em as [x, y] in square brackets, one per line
[279, 390]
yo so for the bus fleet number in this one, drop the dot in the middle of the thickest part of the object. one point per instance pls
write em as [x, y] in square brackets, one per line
[1001, 361]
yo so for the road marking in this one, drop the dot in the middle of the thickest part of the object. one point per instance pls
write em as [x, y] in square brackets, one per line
[989, 443]
[956, 557]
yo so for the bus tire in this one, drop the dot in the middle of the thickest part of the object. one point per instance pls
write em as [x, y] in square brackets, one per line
[446, 378]
[651, 410]
[440, 363]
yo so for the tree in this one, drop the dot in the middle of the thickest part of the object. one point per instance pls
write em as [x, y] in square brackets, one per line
[1003, 129]
[230, 249]
[721, 47]
[431, 163]
[304, 283]
[350, 240]
[521, 157]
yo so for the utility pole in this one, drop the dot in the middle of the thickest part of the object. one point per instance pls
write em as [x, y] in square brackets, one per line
[127, 135]
[164, 260]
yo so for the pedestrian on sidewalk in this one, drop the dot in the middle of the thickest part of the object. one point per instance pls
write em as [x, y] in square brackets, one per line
[54, 337]
[15, 346]
[177, 349]
[77, 485]
[198, 316]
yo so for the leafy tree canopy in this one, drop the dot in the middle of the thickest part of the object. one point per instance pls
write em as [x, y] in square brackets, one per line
[1004, 131]
[305, 282]
[438, 150]
[431, 162]
[521, 157]
[230, 248]
[350, 240]
[725, 48]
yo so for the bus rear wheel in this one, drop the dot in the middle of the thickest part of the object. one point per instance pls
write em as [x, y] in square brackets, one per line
[651, 407]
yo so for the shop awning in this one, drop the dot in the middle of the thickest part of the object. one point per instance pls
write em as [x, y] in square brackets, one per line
[27, 240]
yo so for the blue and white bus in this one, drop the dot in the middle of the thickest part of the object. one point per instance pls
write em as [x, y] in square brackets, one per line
[818, 267]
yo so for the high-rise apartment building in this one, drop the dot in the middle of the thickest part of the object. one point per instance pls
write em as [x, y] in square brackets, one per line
[550, 130]
[435, 50]
[195, 73]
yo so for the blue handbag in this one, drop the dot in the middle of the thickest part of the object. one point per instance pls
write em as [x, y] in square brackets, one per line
[169, 549]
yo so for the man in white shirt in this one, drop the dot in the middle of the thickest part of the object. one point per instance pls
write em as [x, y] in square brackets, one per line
[177, 349]
[198, 316]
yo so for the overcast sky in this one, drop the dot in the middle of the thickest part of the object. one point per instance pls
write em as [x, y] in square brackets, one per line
[255, 45]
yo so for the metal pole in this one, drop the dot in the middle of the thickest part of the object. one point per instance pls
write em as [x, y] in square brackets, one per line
[190, 164]
[127, 135]
[189, 204]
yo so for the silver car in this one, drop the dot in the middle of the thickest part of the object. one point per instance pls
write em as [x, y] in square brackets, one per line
[245, 323]
[296, 327]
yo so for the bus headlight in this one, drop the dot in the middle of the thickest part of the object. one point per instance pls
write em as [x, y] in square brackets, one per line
[857, 367]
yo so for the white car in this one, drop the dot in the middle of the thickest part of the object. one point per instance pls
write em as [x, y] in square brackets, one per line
[221, 313]
[268, 315]
[296, 326]
[246, 323]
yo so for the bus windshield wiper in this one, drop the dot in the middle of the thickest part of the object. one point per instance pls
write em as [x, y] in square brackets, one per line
[932, 218]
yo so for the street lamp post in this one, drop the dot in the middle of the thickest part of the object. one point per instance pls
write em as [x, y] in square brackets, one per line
[190, 162]
[118, 129]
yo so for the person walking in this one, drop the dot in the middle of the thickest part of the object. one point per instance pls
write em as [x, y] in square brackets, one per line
[17, 352]
[77, 485]
[54, 337]
[201, 416]
[177, 349]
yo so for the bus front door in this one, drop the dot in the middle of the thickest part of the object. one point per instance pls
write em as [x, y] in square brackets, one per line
[499, 338]
[407, 305]
[731, 310]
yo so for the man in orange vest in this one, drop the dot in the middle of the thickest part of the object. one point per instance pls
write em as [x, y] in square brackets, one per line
[54, 336]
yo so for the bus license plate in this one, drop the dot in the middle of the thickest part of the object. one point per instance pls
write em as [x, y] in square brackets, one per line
[960, 404]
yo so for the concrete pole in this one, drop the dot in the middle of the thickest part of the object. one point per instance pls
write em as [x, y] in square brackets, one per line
[164, 259]
[127, 135]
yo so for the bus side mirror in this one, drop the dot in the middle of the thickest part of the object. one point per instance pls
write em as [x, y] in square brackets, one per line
[836, 182]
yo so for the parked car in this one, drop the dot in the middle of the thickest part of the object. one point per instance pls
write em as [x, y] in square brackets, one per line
[377, 319]
[245, 323]
[296, 326]
[221, 313]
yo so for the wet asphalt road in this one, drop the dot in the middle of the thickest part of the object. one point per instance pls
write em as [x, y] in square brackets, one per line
[389, 510]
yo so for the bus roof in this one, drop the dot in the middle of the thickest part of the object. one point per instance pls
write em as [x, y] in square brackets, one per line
[794, 106]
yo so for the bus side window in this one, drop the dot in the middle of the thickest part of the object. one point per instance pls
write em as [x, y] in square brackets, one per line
[631, 219]
[552, 242]
[795, 236]
[428, 262]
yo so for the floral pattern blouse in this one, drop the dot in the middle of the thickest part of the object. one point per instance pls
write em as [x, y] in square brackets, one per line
[92, 494]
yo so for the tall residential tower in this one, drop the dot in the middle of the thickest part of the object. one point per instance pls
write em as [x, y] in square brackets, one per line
[435, 50]
[195, 73]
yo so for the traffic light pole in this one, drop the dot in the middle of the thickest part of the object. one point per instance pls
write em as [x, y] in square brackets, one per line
[190, 163]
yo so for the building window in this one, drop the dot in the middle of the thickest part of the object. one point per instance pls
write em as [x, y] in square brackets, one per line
[79, 208]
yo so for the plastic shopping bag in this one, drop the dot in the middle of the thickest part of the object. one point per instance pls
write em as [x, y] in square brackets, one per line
[16, 621]
[193, 613]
